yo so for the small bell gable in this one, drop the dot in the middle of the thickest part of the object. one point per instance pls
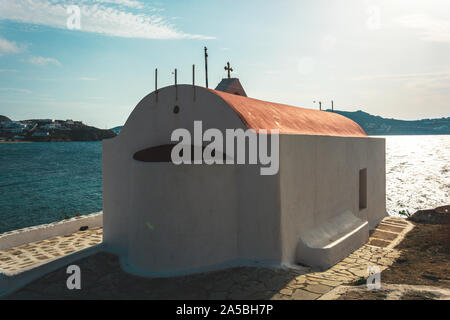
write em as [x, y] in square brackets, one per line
[231, 85]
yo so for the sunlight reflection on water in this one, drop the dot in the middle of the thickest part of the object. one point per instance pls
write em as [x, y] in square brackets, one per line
[417, 172]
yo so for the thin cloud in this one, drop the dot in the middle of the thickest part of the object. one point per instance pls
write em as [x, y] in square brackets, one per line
[126, 3]
[87, 79]
[42, 61]
[429, 28]
[96, 17]
[10, 47]
[415, 81]
[434, 75]
[19, 90]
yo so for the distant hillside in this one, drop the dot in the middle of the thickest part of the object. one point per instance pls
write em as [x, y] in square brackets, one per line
[48, 130]
[82, 133]
[4, 119]
[376, 125]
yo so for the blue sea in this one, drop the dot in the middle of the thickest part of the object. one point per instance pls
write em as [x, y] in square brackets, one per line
[46, 182]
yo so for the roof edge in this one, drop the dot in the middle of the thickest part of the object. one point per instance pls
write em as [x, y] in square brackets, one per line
[259, 115]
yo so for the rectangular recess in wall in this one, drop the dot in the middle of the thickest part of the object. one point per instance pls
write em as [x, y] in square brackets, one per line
[362, 189]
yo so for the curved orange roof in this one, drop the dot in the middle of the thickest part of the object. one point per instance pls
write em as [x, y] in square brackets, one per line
[258, 114]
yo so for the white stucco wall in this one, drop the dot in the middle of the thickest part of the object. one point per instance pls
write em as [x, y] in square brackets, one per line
[259, 230]
[184, 219]
[319, 181]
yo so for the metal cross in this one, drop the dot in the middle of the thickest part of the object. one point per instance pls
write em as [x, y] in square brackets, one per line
[229, 69]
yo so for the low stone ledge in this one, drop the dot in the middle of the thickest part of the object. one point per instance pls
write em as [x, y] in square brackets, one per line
[19, 237]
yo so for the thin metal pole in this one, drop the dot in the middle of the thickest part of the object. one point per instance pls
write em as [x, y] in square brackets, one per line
[193, 79]
[176, 86]
[175, 77]
[206, 66]
[156, 84]
[332, 106]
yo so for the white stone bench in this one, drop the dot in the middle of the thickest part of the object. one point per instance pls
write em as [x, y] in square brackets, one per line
[331, 241]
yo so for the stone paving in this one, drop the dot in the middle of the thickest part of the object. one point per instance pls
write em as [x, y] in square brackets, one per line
[103, 278]
[379, 252]
[30, 255]
[389, 292]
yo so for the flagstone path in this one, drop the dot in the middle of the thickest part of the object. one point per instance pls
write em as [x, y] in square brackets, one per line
[30, 255]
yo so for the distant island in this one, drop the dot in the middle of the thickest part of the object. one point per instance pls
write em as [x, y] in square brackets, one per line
[48, 130]
[69, 130]
[376, 125]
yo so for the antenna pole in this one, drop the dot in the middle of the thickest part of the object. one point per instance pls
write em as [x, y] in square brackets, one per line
[175, 77]
[206, 65]
[176, 86]
[156, 84]
[193, 79]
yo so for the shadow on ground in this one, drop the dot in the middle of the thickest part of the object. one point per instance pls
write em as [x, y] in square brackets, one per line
[103, 278]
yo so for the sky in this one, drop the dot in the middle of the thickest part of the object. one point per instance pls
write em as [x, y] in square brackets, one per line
[386, 57]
